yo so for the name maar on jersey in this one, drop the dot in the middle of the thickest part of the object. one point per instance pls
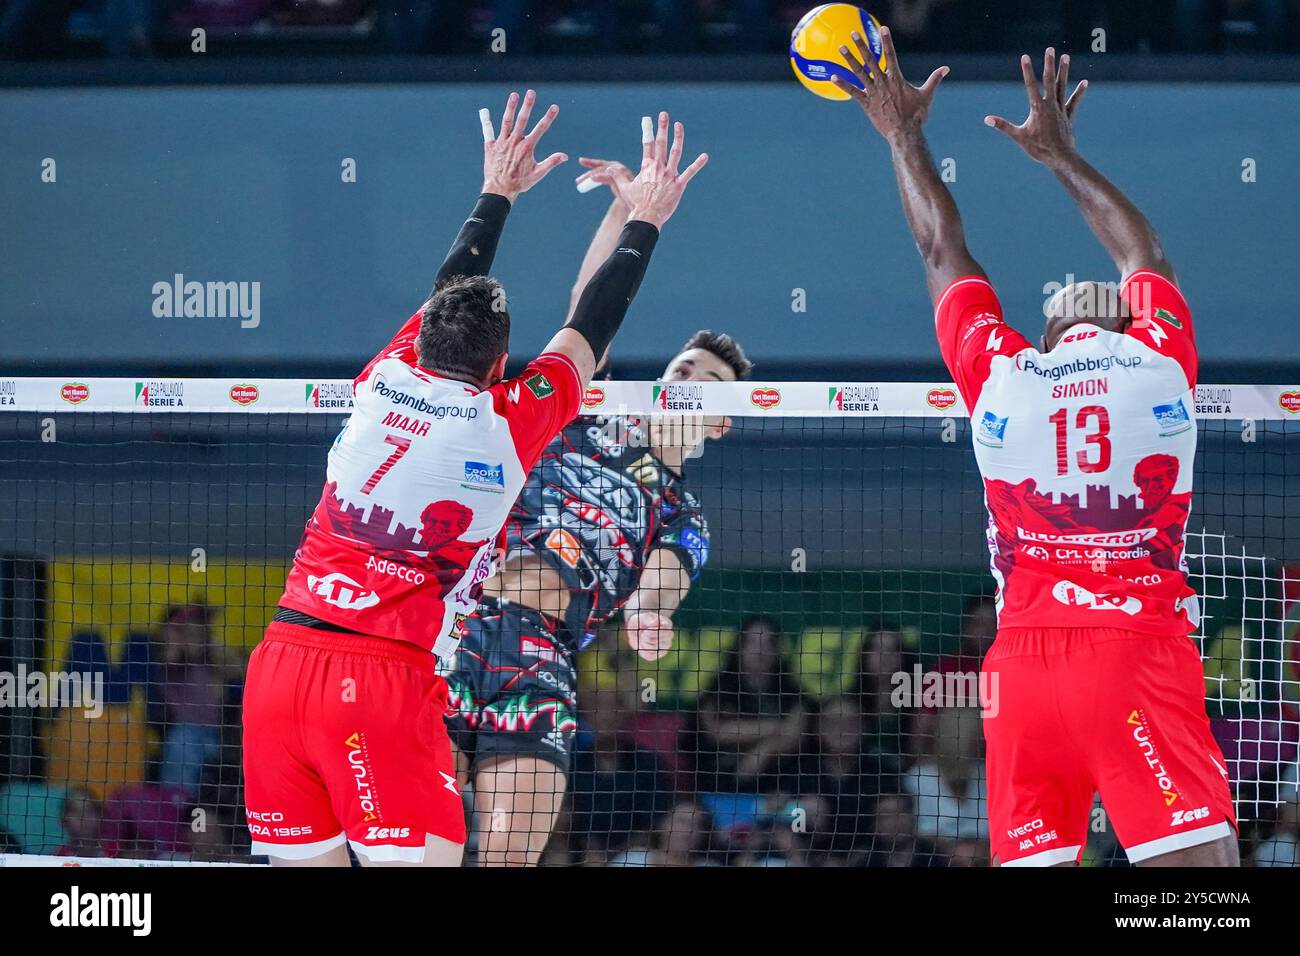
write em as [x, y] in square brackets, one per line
[419, 483]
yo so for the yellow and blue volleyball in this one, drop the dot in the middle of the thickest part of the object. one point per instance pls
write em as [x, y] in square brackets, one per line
[815, 46]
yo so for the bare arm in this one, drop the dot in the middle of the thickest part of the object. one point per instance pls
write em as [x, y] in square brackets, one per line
[1047, 135]
[509, 169]
[603, 243]
[651, 198]
[898, 110]
[648, 613]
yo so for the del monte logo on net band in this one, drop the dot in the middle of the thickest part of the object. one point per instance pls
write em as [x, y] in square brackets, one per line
[941, 398]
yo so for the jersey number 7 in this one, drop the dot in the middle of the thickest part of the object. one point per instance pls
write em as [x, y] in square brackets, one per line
[403, 446]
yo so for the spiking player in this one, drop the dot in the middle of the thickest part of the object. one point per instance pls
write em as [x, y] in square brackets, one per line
[1086, 446]
[604, 523]
[344, 734]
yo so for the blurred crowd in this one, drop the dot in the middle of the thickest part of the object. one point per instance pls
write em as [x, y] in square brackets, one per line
[149, 28]
[756, 771]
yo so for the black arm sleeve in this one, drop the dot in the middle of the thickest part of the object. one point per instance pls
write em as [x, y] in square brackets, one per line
[605, 301]
[476, 243]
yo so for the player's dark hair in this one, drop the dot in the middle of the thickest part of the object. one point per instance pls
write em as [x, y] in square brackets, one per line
[464, 326]
[724, 347]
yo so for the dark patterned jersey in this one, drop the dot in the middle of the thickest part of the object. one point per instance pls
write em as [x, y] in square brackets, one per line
[594, 507]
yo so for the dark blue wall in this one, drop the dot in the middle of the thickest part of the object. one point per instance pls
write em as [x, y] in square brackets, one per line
[244, 184]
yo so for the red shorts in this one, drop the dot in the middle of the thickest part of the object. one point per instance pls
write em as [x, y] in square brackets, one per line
[344, 739]
[1076, 711]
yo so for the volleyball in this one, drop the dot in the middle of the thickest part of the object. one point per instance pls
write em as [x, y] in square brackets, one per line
[815, 46]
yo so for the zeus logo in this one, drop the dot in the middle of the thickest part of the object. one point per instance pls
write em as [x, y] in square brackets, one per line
[994, 342]
[1158, 335]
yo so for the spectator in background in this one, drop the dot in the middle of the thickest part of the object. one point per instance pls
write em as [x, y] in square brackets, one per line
[683, 837]
[616, 787]
[803, 833]
[1282, 847]
[194, 677]
[149, 822]
[83, 822]
[883, 656]
[948, 785]
[895, 841]
[842, 765]
[751, 717]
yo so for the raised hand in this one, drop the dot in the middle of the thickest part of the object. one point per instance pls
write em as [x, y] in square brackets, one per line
[509, 167]
[894, 106]
[1048, 131]
[653, 194]
[602, 172]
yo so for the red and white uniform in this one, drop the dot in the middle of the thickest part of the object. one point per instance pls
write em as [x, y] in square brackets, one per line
[418, 487]
[1087, 455]
[344, 734]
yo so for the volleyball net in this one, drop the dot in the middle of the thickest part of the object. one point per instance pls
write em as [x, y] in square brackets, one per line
[818, 705]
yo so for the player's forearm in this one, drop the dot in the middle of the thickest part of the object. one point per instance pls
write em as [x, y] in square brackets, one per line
[660, 590]
[603, 244]
[476, 243]
[931, 213]
[604, 302]
[1118, 225]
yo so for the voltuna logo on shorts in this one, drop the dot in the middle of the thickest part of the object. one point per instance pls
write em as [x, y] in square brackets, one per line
[481, 474]
[421, 405]
[1077, 366]
[341, 591]
[991, 430]
[1172, 419]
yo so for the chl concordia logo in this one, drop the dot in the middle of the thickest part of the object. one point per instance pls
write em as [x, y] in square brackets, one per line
[244, 394]
[765, 398]
[941, 398]
[1290, 402]
[74, 392]
[593, 397]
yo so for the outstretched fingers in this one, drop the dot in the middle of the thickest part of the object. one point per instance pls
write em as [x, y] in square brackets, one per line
[508, 114]
[542, 126]
[933, 80]
[892, 67]
[1076, 98]
[1049, 73]
[647, 140]
[526, 110]
[679, 143]
[689, 172]
[1063, 79]
[1031, 81]
[661, 140]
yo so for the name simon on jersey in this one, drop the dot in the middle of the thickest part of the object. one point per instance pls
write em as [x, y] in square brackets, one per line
[1077, 366]
[422, 406]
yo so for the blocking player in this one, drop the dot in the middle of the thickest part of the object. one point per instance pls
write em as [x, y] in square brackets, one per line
[344, 734]
[1086, 447]
[605, 522]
